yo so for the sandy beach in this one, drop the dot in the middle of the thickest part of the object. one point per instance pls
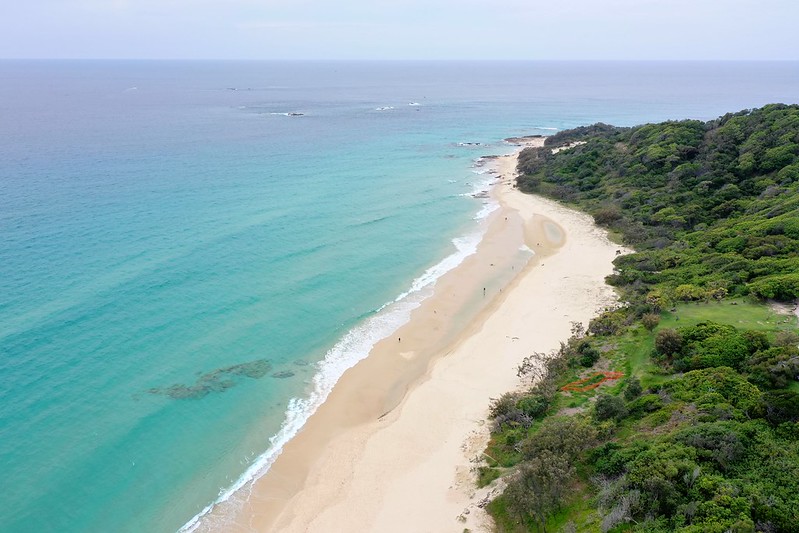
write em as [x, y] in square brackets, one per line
[395, 445]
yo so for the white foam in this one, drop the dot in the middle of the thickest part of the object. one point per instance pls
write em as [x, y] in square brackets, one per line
[354, 346]
[464, 246]
[488, 208]
[483, 185]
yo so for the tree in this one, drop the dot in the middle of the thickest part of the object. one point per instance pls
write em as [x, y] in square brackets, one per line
[565, 435]
[537, 491]
[533, 367]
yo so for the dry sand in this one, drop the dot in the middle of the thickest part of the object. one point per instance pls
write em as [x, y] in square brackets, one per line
[395, 445]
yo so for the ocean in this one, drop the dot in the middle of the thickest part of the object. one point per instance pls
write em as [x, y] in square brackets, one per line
[191, 253]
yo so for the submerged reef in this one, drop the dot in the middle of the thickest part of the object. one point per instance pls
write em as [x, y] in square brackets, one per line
[218, 380]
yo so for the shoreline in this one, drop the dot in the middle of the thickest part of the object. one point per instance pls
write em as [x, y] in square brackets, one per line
[429, 388]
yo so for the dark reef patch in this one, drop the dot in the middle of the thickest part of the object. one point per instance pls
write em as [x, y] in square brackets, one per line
[218, 380]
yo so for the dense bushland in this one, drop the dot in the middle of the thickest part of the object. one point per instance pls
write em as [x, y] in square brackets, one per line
[712, 208]
[678, 411]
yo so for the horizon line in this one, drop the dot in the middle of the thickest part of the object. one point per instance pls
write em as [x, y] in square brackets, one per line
[419, 60]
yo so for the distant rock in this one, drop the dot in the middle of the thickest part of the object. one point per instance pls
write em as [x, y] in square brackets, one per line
[522, 140]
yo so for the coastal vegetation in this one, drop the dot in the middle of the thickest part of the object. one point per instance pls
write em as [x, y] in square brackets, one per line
[678, 410]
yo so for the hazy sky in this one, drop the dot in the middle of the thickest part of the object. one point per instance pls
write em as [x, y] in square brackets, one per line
[400, 29]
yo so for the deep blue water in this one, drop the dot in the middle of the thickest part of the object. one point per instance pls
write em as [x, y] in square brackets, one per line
[158, 229]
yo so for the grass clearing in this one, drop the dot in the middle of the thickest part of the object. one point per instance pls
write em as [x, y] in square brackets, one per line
[741, 313]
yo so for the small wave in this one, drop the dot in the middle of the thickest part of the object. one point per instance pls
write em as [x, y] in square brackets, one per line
[525, 248]
[487, 209]
[354, 346]
[487, 178]
[464, 246]
[414, 104]
[386, 108]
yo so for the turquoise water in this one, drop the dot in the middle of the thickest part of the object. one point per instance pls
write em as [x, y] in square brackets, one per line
[185, 270]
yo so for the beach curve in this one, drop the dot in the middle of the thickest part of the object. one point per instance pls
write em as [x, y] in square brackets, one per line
[393, 448]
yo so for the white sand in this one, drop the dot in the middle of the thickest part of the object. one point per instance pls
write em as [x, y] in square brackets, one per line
[412, 470]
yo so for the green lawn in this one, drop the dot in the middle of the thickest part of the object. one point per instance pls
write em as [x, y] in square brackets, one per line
[741, 313]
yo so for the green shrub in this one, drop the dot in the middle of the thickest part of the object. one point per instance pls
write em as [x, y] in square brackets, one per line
[783, 287]
[588, 355]
[725, 381]
[609, 407]
[650, 320]
[534, 406]
[774, 368]
[633, 389]
[781, 406]
[649, 403]
[668, 342]
[564, 435]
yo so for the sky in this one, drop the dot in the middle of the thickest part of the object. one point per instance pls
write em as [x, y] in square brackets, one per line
[401, 29]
